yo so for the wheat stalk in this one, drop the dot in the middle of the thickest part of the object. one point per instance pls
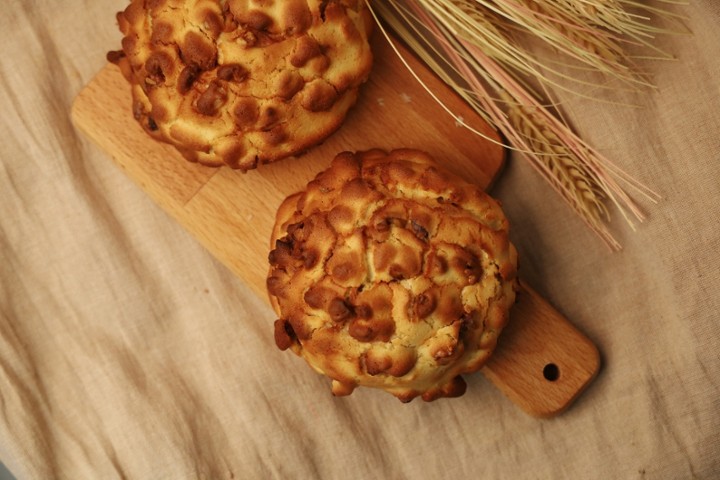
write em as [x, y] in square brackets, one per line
[473, 46]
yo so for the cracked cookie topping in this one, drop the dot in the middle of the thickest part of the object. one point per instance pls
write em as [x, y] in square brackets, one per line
[243, 82]
[389, 272]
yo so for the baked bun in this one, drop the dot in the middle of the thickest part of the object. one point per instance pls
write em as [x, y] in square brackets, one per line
[389, 272]
[242, 82]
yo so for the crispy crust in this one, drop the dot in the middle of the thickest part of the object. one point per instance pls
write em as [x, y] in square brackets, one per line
[237, 83]
[388, 272]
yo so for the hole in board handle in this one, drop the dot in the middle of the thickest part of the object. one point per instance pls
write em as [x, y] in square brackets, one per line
[551, 372]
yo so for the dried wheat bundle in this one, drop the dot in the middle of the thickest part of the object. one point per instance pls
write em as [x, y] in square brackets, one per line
[482, 49]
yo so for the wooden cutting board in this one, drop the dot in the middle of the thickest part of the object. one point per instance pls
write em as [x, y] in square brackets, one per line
[542, 362]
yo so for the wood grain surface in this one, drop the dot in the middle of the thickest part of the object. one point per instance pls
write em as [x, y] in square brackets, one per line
[232, 213]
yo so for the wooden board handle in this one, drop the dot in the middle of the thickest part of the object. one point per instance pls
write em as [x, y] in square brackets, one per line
[542, 362]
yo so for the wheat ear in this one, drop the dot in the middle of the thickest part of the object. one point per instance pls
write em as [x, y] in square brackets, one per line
[560, 166]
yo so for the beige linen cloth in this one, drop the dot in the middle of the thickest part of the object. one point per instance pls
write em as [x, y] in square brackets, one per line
[127, 351]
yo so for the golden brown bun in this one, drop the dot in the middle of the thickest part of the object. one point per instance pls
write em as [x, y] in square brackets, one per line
[389, 272]
[243, 82]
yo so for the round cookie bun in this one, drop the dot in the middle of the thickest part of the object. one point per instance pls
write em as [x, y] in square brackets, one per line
[243, 82]
[389, 272]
